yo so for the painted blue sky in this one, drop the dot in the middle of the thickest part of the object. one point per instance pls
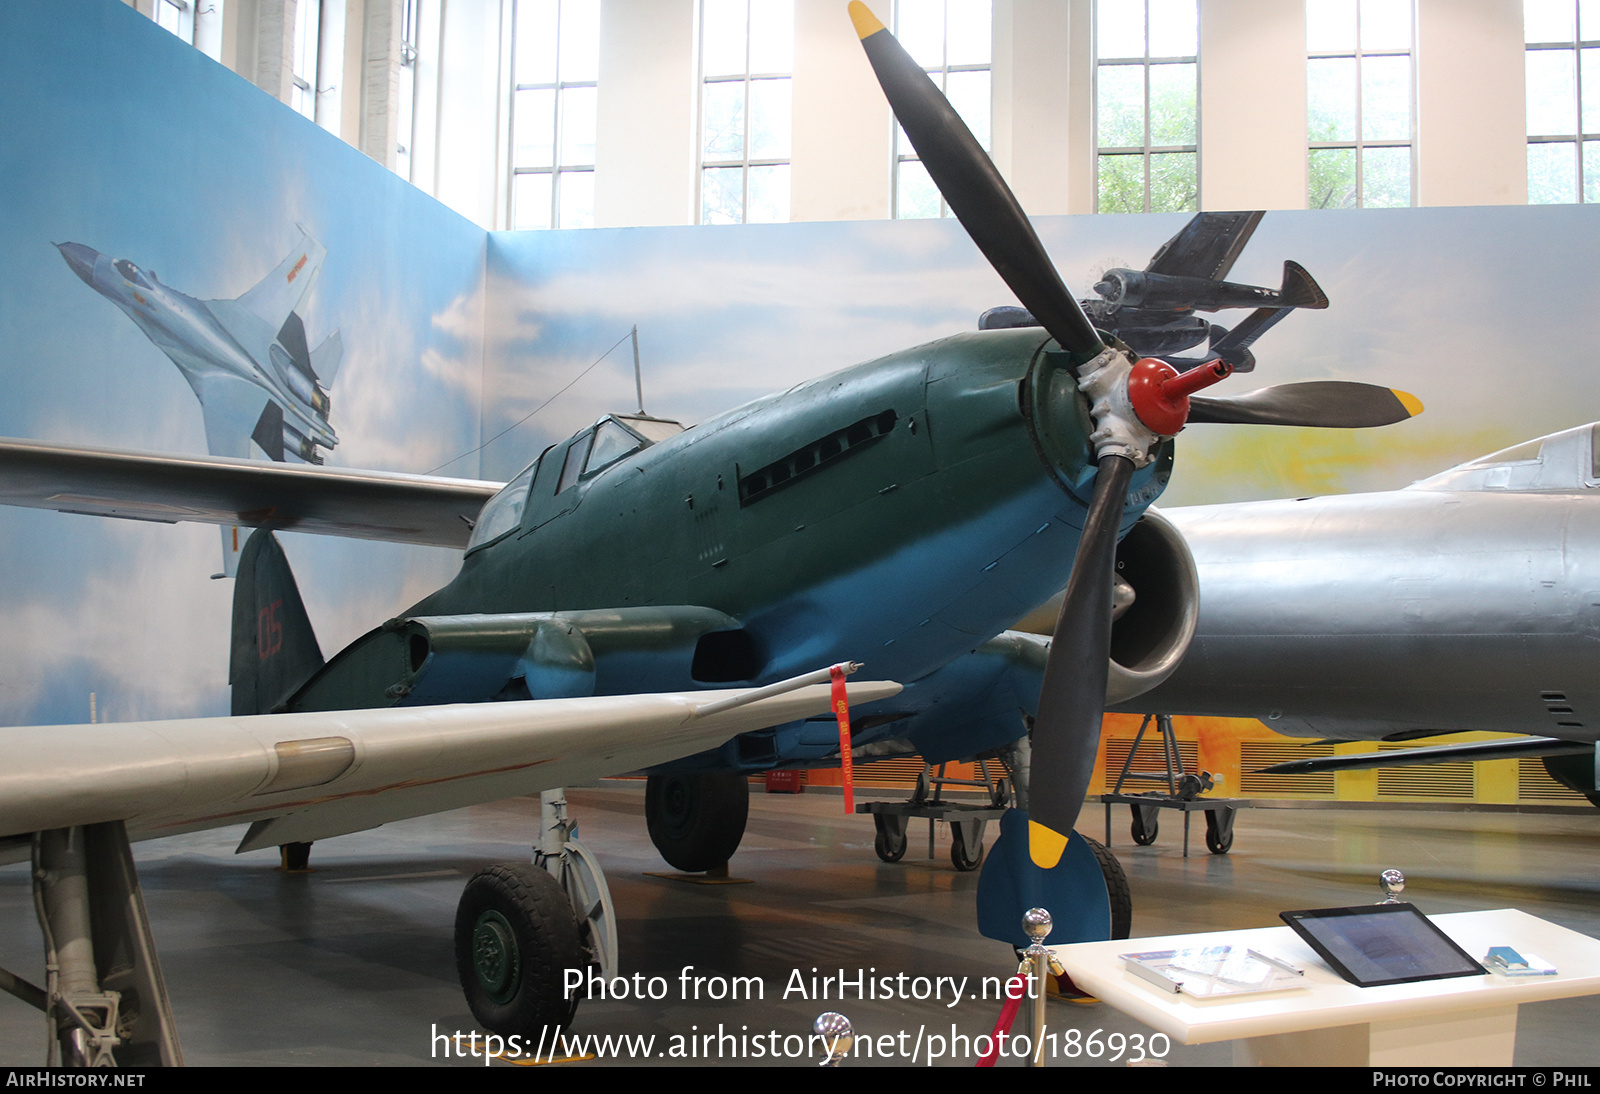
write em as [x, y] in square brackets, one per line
[118, 136]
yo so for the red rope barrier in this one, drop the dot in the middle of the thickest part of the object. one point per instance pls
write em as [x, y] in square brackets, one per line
[1016, 991]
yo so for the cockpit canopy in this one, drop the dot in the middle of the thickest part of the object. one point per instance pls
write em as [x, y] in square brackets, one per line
[609, 441]
[1565, 462]
[131, 273]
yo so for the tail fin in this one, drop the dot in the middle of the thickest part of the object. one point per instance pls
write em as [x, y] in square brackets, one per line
[1300, 289]
[274, 649]
[326, 358]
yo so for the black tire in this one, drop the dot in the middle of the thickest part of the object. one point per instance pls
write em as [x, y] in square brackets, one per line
[1215, 843]
[962, 857]
[1144, 832]
[890, 848]
[296, 856]
[696, 821]
[1116, 888]
[516, 935]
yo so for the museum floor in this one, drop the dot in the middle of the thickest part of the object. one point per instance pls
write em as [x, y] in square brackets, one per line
[352, 963]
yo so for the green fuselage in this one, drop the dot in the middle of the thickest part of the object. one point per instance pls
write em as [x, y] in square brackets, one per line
[899, 513]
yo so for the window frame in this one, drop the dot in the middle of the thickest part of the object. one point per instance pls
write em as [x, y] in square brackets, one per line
[1360, 143]
[1147, 149]
[899, 156]
[1578, 137]
[745, 161]
[304, 56]
[182, 14]
[556, 169]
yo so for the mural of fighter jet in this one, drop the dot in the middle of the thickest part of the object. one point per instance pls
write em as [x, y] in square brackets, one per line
[247, 359]
[1153, 310]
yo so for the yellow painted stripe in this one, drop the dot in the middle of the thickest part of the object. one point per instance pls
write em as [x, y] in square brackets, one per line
[1412, 404]
[866, 23]
[1045, 845]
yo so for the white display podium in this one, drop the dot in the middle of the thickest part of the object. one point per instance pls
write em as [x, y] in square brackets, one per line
[1461, 1022]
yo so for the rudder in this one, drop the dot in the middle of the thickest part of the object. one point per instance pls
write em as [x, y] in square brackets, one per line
[274, 650]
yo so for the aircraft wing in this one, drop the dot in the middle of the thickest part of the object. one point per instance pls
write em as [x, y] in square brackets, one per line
[1438, 754]
[282, 290]
[231, 407]
[300, 777]
[1207, 246]
[107, 482]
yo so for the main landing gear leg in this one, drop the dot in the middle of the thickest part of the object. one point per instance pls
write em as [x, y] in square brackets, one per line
[520, 926]
[92, 913]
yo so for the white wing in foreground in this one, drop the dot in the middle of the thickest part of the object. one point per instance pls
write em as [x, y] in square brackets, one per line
[302, 777]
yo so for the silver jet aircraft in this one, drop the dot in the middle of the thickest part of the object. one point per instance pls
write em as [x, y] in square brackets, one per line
[247, 360]
[1466, 601]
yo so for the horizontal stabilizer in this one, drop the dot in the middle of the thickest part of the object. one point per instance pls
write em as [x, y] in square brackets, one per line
[1475, 750]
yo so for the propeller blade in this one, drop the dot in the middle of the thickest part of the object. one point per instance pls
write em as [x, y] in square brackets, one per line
[977, 194]
[1331, 404]
[1066, 733]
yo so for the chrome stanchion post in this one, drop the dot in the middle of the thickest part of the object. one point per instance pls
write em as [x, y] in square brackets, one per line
[1040, 962]
[838, 1037]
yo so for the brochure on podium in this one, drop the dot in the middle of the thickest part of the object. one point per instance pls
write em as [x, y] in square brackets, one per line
[1212, 971]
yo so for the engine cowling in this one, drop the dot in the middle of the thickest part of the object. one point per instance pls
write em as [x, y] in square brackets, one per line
[1149, 636]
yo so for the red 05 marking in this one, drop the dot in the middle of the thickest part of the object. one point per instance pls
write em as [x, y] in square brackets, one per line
[269, 632]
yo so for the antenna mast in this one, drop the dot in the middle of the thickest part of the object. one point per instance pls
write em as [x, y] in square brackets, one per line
[638, 381]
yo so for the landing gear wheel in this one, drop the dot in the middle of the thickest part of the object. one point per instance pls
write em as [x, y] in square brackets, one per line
[1146, 824]
[890, 842]
[295, 857]
[1116, 887]
[516, 936]
[1219, 832]
[966, 847]
[696, 821]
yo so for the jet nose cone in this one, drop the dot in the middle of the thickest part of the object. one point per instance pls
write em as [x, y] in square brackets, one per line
[81, 259]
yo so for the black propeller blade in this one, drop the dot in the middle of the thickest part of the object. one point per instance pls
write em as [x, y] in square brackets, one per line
[977, 194]
[1066, 732]
[1331, 404]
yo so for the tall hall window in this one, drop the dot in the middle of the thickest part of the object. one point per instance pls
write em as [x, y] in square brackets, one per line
[1563, 72]
[1359, 104]
[555, 64]
[951, 40]
[303, 77]
[746, 64]
[1146, 79]
[176, 16]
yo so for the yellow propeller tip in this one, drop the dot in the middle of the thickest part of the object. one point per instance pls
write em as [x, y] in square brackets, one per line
[1412, 404]
[1045, 845]
[866, 23]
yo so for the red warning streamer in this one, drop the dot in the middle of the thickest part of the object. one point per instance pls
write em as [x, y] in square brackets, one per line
[841, 709]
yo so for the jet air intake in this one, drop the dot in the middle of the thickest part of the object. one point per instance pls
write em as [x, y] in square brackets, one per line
[1155, 608]
[1151, 635]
